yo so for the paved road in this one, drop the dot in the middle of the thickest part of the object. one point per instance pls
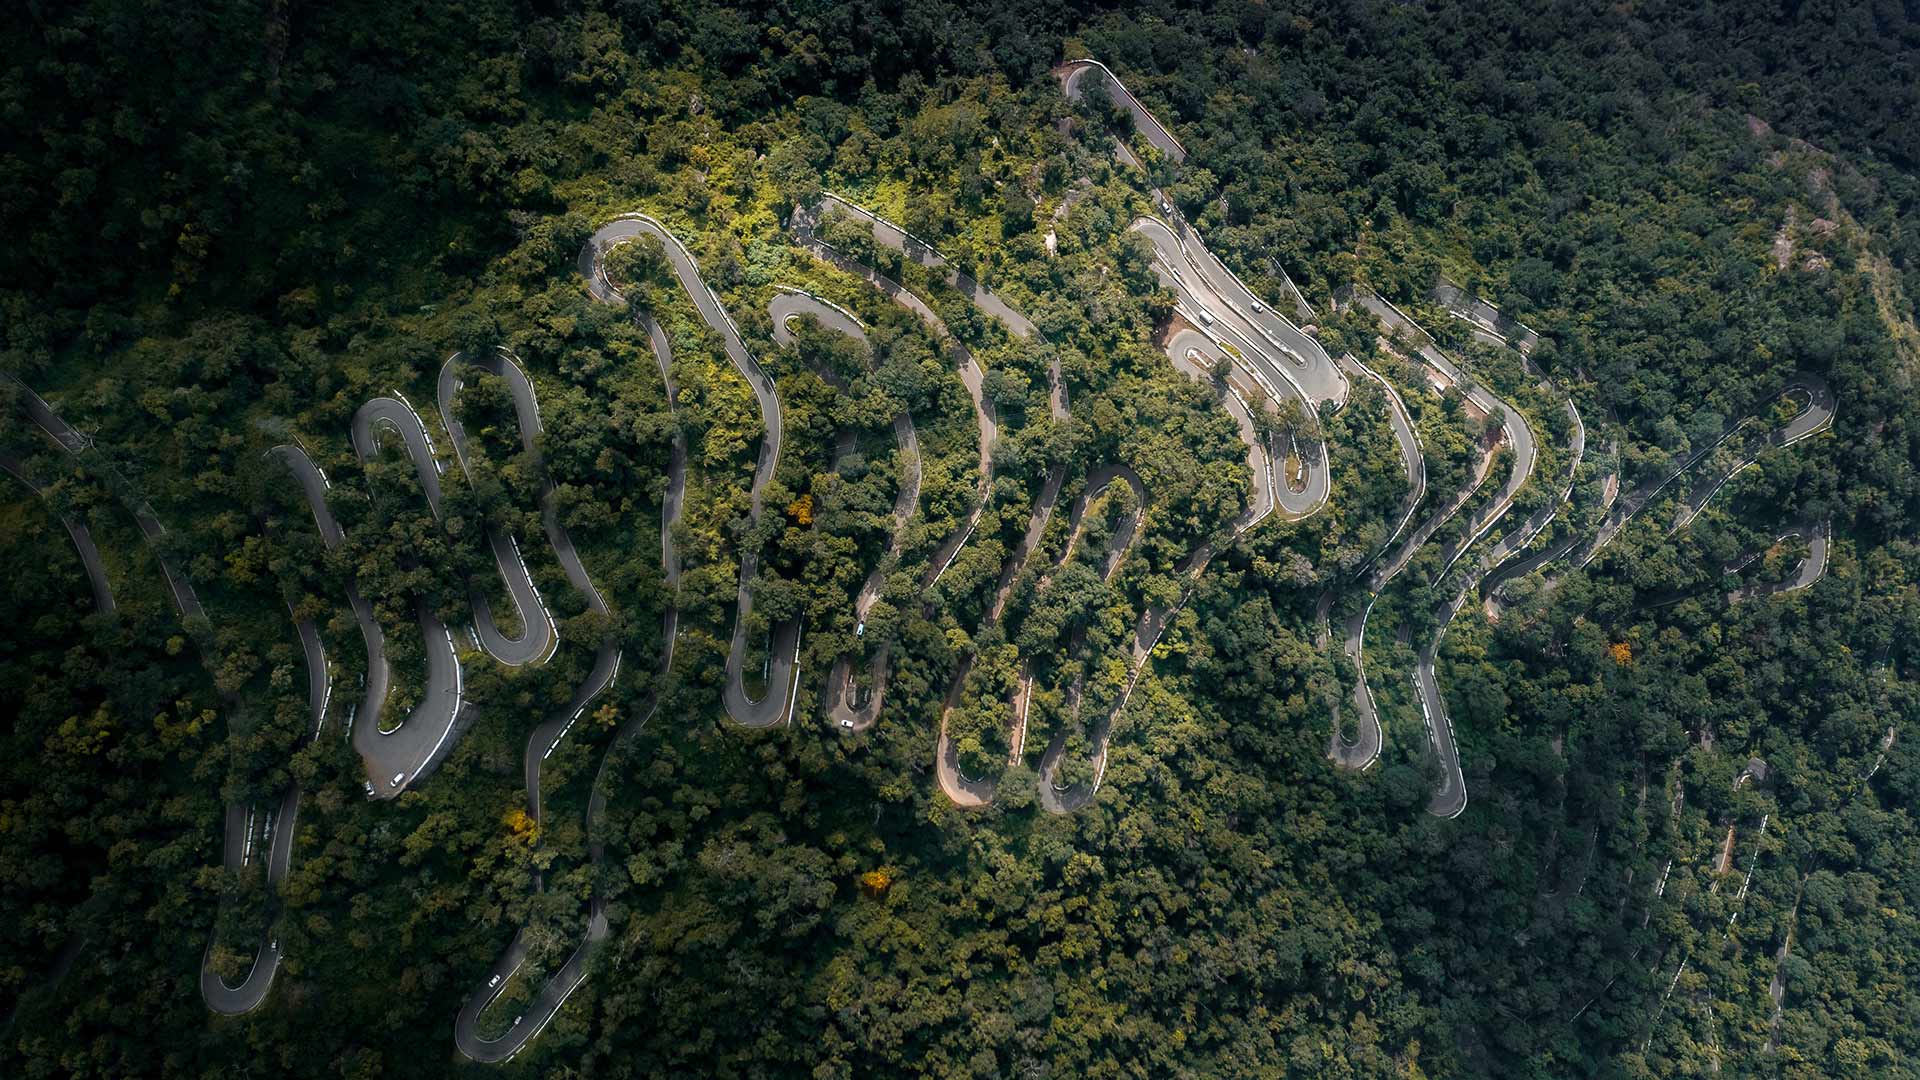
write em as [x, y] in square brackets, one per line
[1518, 433]
[1364, 749]
[964, 791]
[783, 649]
[1182, 268]
[379, 677]
[1817, 534]
[1194, 354]
[1489, 324]
[1212, 296]
[888, 234]
[572, 972]
[1451, 798]
[1816, 416]
[1073, 76]
[537, 635]
[1812, 568]
[849, 705]
[505, 366]
[1055, 797]
[1285, 354]
[1509, 556]
[1410, 456]
[247, 832]
[82, 539]
[1252, 323]
[396, 758]
[971, 375]
[74, 442]
[277, 828]
[103, 602]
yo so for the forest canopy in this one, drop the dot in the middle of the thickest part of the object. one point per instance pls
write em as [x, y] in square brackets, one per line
[526, 285]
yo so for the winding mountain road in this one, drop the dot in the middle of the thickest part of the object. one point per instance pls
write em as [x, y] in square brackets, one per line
[1195, 355]
[537, 635]
[805, 225]
[276, 831]
[1055, 797]
[277, 827]
[850, 705]
[76, 529]
[75, 443]
[103, 604]
[1450, 800]
[396, 758]
[573, 971]
[775, 705]
[1363, 749]
[1074, 74]
[1816, 416]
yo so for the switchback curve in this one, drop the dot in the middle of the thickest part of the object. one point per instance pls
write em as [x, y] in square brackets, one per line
[776, 704]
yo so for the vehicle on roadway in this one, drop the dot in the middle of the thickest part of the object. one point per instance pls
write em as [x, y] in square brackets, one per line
[846, 723]
[397, 777]
[1257, 307]
[1206, 317]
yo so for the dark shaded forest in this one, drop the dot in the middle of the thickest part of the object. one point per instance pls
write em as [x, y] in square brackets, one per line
[231, 224]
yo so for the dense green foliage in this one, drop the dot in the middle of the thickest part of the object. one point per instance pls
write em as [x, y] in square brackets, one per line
[231, 223]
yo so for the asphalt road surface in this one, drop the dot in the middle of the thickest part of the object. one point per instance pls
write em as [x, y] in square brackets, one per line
[1816, 416]
[963, 790]
[103, 603]
[1519, 434]
[535, 1017]
[82, 539]
[804, 224]
[247, 831]
[379, 677]
[888, 234]
[396, 758]
[1364, 749]
[73, 442]
[276, 829]
[537, 636]
[1251, 324]
[1055, 797]
[1194, 354]
[849, 705]
[1073, 76]
[775, 705]
[1196, 276]
[1450, 800]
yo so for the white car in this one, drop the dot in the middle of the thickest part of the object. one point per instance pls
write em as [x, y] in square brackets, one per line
[846, 723]
[397, 777]
[493, 982]
[861, 629]
[1206, 317]
[1166, 207]
[1257, 309]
